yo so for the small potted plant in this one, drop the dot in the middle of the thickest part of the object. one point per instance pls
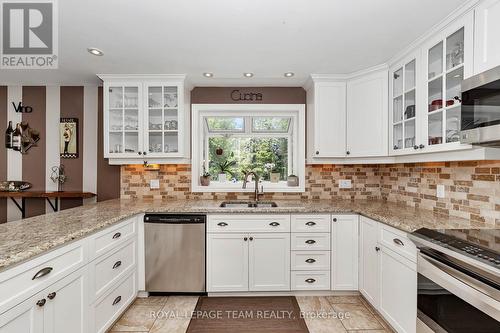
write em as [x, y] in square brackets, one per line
[205, 177]
[225, 167]
[274, 174]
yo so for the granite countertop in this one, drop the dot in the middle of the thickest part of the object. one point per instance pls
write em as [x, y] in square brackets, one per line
[24, 239]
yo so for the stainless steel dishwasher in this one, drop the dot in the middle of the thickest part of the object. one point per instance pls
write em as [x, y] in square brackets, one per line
[175, 253]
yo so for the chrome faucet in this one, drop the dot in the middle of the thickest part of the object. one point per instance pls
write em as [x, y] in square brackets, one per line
[256, 177]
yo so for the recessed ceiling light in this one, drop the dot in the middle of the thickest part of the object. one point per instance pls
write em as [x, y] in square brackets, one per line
[95, 51]
[208, 74]
[289, 74]
[247, 74]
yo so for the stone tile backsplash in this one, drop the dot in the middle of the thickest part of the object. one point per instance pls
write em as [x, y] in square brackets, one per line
[472, 188]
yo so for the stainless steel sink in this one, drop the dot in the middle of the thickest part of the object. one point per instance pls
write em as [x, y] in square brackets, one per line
[248, 204]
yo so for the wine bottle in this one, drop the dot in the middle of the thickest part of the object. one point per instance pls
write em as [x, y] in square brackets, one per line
[16, 138]
[8, 136]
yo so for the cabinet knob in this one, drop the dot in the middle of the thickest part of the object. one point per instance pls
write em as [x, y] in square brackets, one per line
[52, 295]
[41, 302]
[334, 219]
[139, 152]
[377, 248]
[421, 146]
[415, 147]
[245, 238]
[144, 153]
[317, 152]
[348, 152]
[395, 147]
[251, 238]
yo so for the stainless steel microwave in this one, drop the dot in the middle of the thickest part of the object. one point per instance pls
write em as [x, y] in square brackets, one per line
[480, 124]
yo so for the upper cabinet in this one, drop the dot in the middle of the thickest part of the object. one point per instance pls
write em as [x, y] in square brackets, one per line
[486, 36]
[367, 115]
[326, 118]
[339, 125]
[145, 118]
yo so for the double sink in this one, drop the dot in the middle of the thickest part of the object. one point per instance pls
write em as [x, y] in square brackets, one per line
[248, 204]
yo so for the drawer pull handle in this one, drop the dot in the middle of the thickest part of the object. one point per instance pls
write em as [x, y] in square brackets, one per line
[310, 241]
[310, 224]
[41, 302]
[117, 264]
[42, 272]
[51, 295]
[222, 224]
[117, 300]
[117, 235]
[310, 280]
[274, 224]
[398, 241]
[310, 261]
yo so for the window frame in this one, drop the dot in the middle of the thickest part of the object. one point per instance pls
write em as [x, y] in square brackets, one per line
[296, 142]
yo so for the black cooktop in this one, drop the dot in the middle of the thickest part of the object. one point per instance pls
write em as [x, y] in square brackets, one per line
[480, 244]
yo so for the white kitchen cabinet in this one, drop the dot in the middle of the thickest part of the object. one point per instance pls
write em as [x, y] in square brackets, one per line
[145, 118]
[398, 291]
[486, 36]
[447, 59]
[367, 115]
[269, 262]
[26, 317]
[326, 118]
[344, 252]
[227, 262]
[66, 304]
[369, 260]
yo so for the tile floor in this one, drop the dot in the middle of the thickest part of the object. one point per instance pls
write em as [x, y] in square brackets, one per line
[362, 317]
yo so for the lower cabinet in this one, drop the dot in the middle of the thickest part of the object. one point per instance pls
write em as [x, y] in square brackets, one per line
[398, 291]
[368, 260]
[345, 252]
[248, 262]
[387, 276]
[61, 308]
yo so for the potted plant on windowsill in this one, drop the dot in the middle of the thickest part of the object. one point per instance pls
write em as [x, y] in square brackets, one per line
[205, 177]
[225, 167]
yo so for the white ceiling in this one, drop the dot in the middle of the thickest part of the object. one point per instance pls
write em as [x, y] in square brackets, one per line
[229, 37]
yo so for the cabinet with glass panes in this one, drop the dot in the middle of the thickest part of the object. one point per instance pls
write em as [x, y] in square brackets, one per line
[448, 61]
[403, 106]
[144, 118]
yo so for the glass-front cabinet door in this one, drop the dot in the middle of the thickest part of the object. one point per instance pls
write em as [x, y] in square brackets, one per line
[404, 107]
[123, 120]
[162, 123]
[449, 60]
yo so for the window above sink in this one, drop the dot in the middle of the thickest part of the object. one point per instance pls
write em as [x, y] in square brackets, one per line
[231, 139]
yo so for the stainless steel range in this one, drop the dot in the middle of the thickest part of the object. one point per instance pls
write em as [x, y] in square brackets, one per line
[458, 280]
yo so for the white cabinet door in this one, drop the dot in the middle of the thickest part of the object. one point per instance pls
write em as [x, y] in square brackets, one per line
[26, 317]
[327, 127]
[344, 252]
[487, 35]
[369, 260]
[67, 309]
[269, 262]
[227, 262]
[123, 120]
[367, 115]
[398, 291]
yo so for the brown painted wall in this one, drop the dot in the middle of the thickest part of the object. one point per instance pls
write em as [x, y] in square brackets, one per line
[270, 95]
[3, 151]
[34, 161]
[108, 176]
[72, 107]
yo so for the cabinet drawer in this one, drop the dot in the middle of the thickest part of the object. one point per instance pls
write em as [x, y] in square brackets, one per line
[248, 223]
[112, 237]
[106, 270]
[308, 242]
[23, 281]
[310, 280]
[109, 308]
[397, 241]
[310, 261]
[311, 223]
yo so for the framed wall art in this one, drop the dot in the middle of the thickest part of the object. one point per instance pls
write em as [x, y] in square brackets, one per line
[68, 138]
